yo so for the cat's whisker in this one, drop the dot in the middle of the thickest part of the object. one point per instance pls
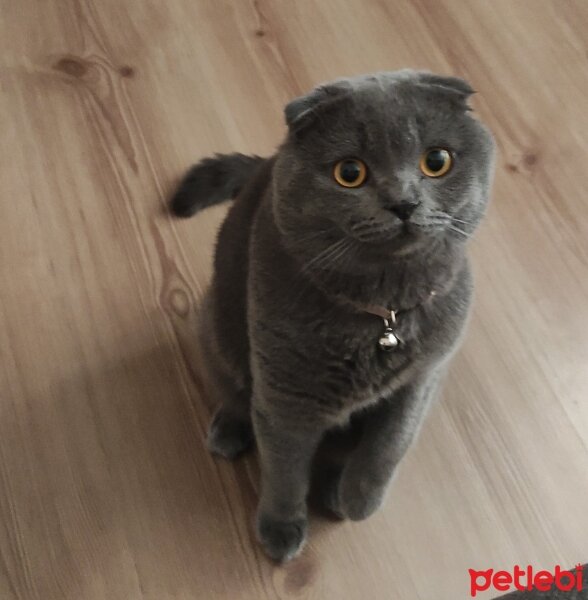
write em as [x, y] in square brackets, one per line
[440, 214]
[456, 220]
[323, 256]
[438, 219]
[446, 217]
[322, 261]
[335, 256]
[428, 224]
[342, 252]
[448, 221]
[460, 231]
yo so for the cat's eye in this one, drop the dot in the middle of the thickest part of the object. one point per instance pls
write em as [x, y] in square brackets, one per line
[350, 173]
[436, 162]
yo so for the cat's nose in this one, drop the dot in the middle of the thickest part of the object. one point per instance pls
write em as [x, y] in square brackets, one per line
[403, 210]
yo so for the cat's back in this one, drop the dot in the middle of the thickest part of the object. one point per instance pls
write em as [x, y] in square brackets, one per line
[231, 260]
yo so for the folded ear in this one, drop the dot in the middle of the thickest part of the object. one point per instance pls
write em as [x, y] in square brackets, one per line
[454, 88]
[302, 110]
[453, 84]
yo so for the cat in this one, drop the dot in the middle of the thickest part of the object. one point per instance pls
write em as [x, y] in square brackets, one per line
[366, 208]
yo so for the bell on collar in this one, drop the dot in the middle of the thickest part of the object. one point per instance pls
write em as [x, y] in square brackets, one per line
[389, 340]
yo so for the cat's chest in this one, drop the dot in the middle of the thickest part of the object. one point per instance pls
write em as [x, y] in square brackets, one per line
[334, 356]
[357, 364]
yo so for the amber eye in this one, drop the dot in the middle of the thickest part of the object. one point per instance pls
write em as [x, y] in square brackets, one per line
[350, 172]
[436, 162]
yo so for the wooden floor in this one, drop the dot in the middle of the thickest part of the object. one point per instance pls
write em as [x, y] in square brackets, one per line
[106, 490]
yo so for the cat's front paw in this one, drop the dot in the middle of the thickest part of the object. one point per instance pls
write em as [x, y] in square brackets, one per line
[351, 498]
[228, 436]
[359, 506]
[282, 540]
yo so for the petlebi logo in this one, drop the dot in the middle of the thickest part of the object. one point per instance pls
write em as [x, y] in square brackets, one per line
[526, 579]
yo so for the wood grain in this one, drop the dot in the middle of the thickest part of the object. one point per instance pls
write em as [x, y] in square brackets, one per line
[106, 490]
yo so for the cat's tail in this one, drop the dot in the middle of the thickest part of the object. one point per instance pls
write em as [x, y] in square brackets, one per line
[211, 181]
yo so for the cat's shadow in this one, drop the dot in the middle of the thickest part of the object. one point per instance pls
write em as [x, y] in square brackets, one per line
[164, 494]
[151, 412]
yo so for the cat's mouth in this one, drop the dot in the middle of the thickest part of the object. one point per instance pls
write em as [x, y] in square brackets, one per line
[386, 240]
[385, 234]
[369, 245]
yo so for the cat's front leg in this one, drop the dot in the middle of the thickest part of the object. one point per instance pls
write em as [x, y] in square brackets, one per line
[388, 429]
[286, 448]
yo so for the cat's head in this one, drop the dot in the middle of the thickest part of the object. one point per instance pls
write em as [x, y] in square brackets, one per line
[381, 166]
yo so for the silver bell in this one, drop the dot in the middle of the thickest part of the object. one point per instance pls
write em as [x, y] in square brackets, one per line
[389, 340]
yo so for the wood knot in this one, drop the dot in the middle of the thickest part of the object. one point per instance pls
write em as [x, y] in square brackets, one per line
[179, 302]
[527, 161]
[126, 71]
[299, 574]
[72, 66]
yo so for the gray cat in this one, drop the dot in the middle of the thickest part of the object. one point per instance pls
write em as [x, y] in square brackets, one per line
[341, 286]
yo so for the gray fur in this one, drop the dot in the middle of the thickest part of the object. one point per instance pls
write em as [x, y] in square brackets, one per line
[212, 181]
[293, 356]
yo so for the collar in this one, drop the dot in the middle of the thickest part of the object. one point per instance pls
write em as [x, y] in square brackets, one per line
[390, 314]
[389, 340]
